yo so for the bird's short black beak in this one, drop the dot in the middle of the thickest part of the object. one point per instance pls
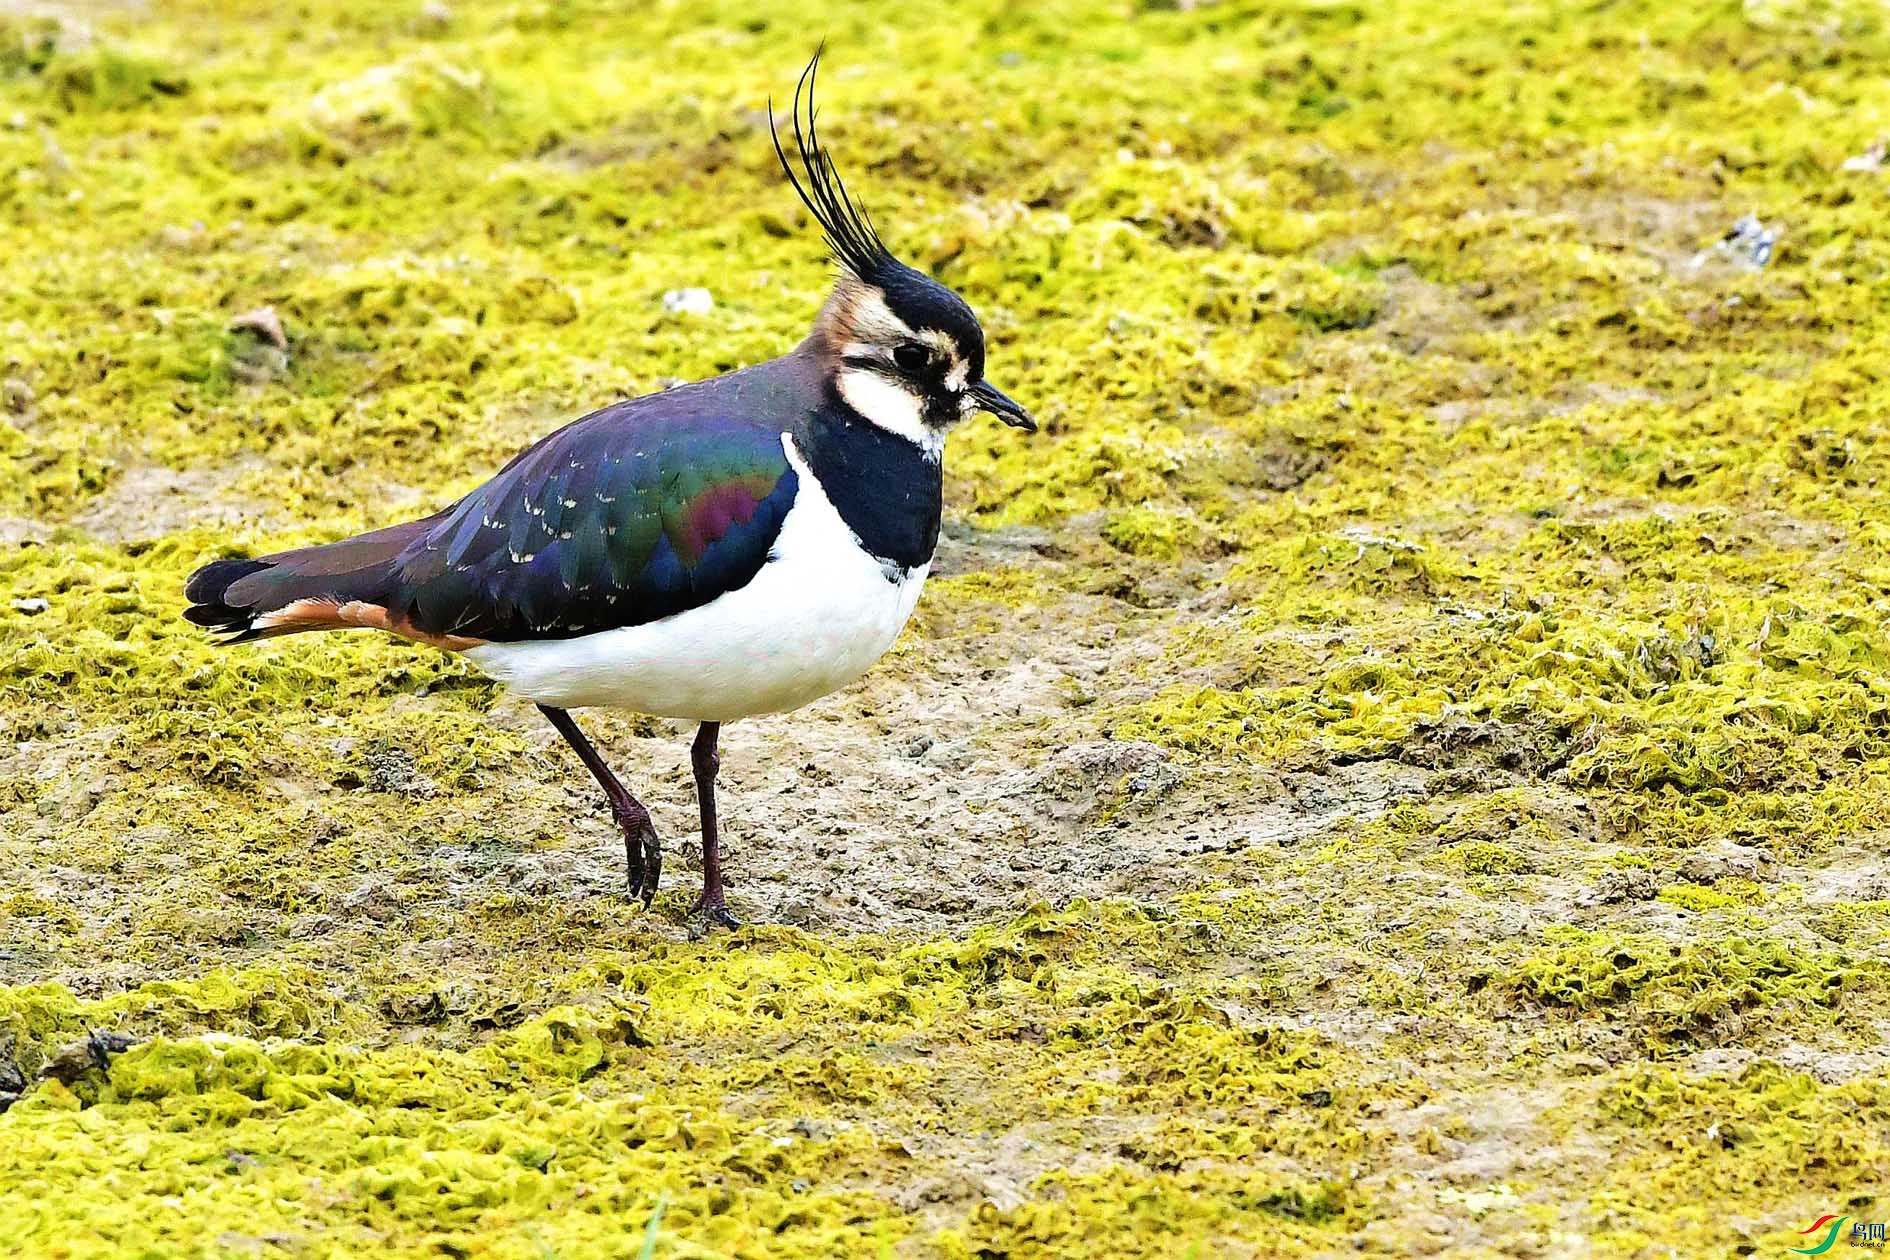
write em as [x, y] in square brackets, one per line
[994, 400]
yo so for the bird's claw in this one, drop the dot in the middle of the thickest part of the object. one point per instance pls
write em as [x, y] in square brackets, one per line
[709, 914]
[716, 914]
[643, 857]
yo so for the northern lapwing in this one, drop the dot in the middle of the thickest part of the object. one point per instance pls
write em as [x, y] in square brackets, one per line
[738, 546]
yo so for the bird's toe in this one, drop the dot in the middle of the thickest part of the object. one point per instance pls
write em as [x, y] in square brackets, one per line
[652, 866]
[705, 919]
[643, 860]
[711, 912]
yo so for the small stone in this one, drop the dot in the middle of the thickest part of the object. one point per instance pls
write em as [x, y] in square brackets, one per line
[18, 395]
[1619, 884]
[1870, 160]
[1749, 242]
[12, 1080]
[32, 607]
[1734, 861]
[265, 323]
[93, 1053]
[688, 302]
[435, 16]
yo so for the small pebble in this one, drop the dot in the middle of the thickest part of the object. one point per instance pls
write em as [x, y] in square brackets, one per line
[17, 394]
[1749, 243]
[1870, 160]
[688, 302]
[265, 323]
[31, 607]
[93, 1053]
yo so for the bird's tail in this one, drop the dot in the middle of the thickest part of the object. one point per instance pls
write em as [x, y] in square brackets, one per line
[346, 583]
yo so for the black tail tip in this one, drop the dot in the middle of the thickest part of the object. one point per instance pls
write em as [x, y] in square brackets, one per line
[207, 590]
[208, 584]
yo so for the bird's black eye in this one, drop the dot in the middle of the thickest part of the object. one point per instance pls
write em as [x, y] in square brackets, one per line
[911, 357]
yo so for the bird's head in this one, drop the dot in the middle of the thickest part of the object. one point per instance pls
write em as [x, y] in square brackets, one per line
[905, 352]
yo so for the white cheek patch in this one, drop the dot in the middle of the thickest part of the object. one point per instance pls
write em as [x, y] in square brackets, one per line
[889, 405]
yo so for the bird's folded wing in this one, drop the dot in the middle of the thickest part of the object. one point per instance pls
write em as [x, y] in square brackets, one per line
[611, 522]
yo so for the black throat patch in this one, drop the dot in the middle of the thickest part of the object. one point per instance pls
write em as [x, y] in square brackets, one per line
[886, 489]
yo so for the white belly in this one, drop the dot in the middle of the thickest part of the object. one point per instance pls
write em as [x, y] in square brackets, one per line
[819, 613]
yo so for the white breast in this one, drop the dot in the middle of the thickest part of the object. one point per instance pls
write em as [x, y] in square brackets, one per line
[819, 613]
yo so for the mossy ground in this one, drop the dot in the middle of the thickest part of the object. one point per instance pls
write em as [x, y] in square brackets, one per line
[1400, 765]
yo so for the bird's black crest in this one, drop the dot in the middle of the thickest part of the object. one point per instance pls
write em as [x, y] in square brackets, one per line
[856, 246]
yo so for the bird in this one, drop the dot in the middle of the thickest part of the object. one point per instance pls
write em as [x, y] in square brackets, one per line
[738, 546]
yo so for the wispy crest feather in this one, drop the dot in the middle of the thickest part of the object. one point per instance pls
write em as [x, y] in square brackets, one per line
[850, 235]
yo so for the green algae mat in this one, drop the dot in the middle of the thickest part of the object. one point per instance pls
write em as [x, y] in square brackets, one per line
[1400, 766]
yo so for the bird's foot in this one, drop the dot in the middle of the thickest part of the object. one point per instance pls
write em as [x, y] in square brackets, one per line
[710, 912]
[642, 852]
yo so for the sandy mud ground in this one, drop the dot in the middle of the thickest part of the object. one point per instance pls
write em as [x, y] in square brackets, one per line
[1400, 766]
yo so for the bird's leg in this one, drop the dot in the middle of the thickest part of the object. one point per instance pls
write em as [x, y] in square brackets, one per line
[712, 906]
[641, 851]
